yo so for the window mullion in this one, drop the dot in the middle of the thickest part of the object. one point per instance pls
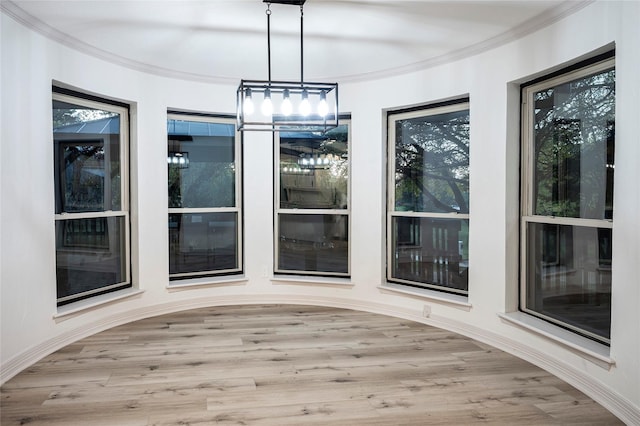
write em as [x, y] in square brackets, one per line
[570, 221]
[204, 209]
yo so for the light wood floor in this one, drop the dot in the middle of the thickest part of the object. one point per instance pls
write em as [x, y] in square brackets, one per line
[288, 365]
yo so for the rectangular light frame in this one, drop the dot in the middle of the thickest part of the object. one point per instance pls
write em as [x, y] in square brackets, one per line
[278, 121]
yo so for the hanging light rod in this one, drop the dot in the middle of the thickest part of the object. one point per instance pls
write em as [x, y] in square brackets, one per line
[286, 105]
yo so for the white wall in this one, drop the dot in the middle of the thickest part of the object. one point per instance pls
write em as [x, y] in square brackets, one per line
[30, 62]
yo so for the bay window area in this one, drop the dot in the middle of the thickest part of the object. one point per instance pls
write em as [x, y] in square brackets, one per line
[567, 198]
[312, 203]
[205, 225]
[428, 197]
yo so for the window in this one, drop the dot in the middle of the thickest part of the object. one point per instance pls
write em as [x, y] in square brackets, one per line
[90, 139]
[312, 205]
[205, 230]
[428, 197]
[567, 198]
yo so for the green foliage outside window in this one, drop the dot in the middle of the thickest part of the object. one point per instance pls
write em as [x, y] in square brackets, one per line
[432, 163]
[574, 139]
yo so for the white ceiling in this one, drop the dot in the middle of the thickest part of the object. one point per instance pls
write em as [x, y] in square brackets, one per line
[225, 40]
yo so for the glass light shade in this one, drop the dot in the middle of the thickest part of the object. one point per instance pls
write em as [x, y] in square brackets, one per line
[267, 107]
[286, 108]
[247, 107]
[305, 106]
[323, 107]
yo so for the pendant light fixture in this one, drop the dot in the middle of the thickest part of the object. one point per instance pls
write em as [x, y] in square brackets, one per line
[286, 105]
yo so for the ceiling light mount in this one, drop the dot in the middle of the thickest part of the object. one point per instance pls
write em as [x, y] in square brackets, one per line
[291, 105]
[292, 2]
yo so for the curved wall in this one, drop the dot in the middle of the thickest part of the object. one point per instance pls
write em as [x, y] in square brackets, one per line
[32, 328]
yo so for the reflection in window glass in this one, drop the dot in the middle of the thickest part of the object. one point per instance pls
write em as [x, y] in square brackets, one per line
[432, 163]
[433, 251]
[314, 170]
[313, 175]
[428, 206]
[201, 160]
[203, 242]
[569, 278]
[89, 255]
[313, 242]
[87, 159]
[568, 152]
[203, 176]
[574, 148]
[90, 197]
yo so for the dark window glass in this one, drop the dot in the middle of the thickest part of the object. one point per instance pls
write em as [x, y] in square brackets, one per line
[430, 178]
[432, 163]
[87, 159]
[201, 161]
[89, 254]
[313, 242]
[202, 184]
[314, 170]
[569, 149]
[574, 148]
[91, 221]
[431, 251]
[200, 242]
[313, 175]
[569, 275]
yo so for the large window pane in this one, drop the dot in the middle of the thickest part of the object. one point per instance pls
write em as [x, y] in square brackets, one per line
[204, 211]
[201, 160]
[428, 204]
[90, 254]
[203, 242]
[574, 140]
[313, 242]
[87, 158]
[568, 165]
[313, 175]
[432, 163]
[90, 140]
[569, 275]
[433, 251]
[314, 169]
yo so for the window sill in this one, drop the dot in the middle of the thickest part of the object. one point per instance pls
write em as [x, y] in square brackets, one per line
[588, 349]
[67, 311]
[189, 284]
[454, 300]
[316, 281]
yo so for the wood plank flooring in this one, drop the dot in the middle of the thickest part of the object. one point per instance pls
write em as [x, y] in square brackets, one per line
[288, 365]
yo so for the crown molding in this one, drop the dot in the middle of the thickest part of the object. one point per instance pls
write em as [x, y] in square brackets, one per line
[11, 9]
[530, 26]
[536, 23]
